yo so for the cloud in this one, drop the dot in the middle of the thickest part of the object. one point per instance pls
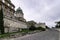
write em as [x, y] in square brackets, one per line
[40, 10]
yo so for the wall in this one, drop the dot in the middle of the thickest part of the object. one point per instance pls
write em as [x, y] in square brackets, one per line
[0, 7]
[11, 23]
[19, 15]
[14, 25]
[40, 25]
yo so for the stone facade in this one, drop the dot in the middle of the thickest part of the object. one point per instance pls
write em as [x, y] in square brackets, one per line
[30, 23]
[13, 20]
[43, 25]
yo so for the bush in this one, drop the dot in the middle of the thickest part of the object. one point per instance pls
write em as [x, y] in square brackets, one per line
[40, 28]
[32, 28]
[25, 30]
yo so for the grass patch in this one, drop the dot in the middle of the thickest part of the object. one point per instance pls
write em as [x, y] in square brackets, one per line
[7, 34]
[4, 35]
[23, 32]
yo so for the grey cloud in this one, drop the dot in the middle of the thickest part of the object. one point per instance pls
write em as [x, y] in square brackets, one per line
[40, 10]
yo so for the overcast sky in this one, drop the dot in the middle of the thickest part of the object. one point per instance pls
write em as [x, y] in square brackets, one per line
[47, 11]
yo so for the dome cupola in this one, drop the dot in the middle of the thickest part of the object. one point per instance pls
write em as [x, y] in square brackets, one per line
[19, 10]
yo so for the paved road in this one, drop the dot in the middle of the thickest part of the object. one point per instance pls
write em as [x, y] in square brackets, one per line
[46, 35]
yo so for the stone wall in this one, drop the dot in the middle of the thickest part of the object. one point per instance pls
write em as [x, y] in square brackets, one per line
[0, 7]
[14, 25]
[40, 25]
[10, 22]
[19, 15]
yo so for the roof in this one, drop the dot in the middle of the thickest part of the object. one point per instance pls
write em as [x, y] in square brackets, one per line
[7, 6]
[19, 10]
[9, 1]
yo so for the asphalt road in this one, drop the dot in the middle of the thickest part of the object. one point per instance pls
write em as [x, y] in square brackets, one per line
[46, 35]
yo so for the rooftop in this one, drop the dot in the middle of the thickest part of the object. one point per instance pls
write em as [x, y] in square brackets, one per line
[19, 10]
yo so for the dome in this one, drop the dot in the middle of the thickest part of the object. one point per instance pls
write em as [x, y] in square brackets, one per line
[19, 10]
[9, 0]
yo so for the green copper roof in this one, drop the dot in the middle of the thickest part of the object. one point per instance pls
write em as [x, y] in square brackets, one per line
[9, 0]
[19, 10]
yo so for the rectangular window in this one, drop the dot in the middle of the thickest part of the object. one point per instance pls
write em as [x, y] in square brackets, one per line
[3, 0]
[8, 4]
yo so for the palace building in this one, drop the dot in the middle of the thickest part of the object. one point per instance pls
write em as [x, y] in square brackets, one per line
[13, 20]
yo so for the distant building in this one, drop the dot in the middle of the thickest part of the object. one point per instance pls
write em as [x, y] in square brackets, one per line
[43, 25]
[30, 23]
[13, 20]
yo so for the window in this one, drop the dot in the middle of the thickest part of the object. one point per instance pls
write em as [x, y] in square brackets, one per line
[6, 7]
[8, 4]
[12, 7]
[3, 0]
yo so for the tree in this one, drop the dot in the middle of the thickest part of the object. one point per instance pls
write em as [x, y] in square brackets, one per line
[32, 28]
[57, 24]
[47, 27]
[40, 28]
[1, 22]
[31, 23]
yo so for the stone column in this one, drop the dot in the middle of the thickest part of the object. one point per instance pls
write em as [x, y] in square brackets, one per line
[0, 7]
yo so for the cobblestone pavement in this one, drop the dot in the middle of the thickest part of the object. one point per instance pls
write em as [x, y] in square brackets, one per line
[46, 35]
